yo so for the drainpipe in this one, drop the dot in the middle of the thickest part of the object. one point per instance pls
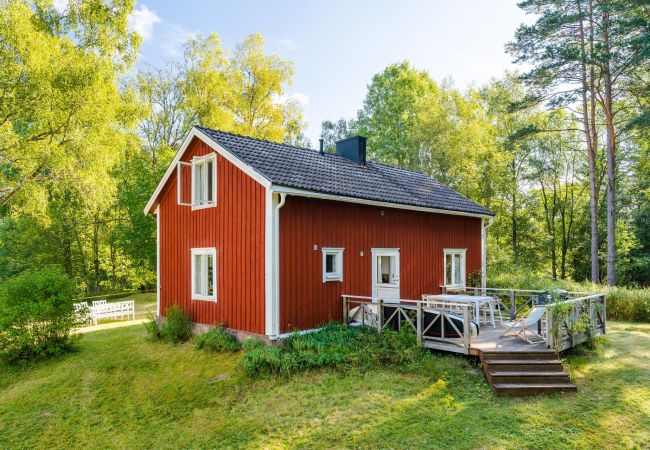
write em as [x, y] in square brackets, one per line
[276, 265]
[484, 228]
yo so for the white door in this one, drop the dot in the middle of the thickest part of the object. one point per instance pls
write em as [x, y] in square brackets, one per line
[385, 274]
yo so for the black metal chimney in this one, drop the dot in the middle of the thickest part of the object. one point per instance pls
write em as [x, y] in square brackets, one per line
[353, 148]
[322, 150]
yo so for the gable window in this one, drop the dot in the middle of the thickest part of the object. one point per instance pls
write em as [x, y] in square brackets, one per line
[204, 274]
[204, 186]
[332, 264]
[455, 267]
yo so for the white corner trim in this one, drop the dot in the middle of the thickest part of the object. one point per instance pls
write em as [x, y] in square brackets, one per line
[195, 132]
[157, 213]
[484, 228]
[268, 263]
[361, 201]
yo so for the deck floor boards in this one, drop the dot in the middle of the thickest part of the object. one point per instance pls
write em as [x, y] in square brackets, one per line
[490, 340]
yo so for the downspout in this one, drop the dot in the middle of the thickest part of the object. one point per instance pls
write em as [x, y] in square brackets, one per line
[276, 265]
[484, 227]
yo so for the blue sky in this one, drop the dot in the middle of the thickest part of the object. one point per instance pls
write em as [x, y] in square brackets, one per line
[337, 46]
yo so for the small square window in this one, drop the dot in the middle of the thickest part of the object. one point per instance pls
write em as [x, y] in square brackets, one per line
[332, 264]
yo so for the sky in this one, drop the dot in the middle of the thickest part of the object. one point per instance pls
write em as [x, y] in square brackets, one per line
[337, 46]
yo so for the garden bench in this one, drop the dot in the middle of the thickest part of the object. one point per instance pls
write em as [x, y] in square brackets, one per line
[113, 310]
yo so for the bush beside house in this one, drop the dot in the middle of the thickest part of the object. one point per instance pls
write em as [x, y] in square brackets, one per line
[37, 315]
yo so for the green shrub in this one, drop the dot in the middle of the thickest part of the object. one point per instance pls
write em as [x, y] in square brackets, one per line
[335, 345]
[217, 339]
[37, 315]
[176, 328]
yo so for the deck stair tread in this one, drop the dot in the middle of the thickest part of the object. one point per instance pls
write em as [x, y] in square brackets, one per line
[519, 373]
[496, 362]
[536, 386]
[528, 374]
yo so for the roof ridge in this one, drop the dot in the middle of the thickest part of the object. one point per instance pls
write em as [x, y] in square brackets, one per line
[254, 138]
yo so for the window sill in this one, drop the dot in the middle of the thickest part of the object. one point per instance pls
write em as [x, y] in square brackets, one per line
[210, 205]
[203, 299]
[332, 278]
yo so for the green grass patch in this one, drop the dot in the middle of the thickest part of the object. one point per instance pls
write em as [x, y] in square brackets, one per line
[216, 339]
[121, 390]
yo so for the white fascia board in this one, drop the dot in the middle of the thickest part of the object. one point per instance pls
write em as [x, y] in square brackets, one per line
[340, 198]
[194, 132]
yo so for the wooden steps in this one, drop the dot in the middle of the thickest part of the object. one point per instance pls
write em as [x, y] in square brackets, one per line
[520, 373]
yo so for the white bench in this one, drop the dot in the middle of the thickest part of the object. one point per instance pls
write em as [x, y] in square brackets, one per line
[112, 310]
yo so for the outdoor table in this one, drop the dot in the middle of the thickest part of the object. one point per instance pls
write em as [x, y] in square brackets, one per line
[474, 300]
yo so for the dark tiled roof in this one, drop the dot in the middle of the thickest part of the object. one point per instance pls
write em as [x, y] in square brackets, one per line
[307, 169]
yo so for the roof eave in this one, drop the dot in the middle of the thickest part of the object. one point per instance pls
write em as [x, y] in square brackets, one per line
[342, 198]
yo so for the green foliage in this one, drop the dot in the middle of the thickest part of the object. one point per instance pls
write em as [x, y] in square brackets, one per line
[629, 304]
[217, 339]
[37, 315]
[335, 346]
[175, 328]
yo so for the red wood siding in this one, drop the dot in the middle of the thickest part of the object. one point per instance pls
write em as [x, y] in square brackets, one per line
[306, 302]
[235, 227]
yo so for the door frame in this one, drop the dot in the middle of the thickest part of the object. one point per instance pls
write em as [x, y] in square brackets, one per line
[376, 252]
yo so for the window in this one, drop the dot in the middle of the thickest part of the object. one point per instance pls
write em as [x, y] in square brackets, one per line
[332, 264]
[204, 274]
[204, 186]
[386, 269]
[454, 267]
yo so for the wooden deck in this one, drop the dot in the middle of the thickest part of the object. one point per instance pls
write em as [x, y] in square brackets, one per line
[512, 365]
[490, 340]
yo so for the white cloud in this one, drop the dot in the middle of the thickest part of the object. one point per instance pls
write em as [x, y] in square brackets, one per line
[173, 38]
[287, 44]
[142, 21]
[297, 97]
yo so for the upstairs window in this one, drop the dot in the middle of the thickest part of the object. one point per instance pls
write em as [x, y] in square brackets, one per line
[204, 186]
[332, 264]
[204, 274]
[455, 267]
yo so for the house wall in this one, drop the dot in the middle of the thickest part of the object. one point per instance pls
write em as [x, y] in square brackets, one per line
[306, 302]
[235, 227]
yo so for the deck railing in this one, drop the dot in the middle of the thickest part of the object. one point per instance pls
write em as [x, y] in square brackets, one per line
[568, 321]
[440, 329]
[576, 320]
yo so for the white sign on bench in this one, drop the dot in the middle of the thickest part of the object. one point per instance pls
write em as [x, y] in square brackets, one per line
[113, 310]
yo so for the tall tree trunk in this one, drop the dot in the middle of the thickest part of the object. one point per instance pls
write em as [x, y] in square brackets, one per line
[611, 156]
[96, 254]
[588, 122]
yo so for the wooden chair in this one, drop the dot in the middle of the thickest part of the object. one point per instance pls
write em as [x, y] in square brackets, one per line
[523, 325]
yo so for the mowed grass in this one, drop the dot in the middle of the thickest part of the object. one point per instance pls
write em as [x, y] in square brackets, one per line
[122, 391]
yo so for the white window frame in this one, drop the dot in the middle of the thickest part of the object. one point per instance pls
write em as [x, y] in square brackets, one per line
[204, 252]
[463, 267]
[199, 161]
[333, 276]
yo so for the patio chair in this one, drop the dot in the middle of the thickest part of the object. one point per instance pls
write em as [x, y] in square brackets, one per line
[522, 325]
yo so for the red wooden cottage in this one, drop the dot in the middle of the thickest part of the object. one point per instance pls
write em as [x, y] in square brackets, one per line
[266, 237]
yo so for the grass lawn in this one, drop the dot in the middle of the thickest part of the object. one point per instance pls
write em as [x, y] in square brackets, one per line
[122, 391]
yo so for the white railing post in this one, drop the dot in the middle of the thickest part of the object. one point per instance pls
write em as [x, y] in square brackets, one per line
[513, 304]
[346, 312]
[549, 328]
[418, 325]
[380, 315]
[466, 330]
